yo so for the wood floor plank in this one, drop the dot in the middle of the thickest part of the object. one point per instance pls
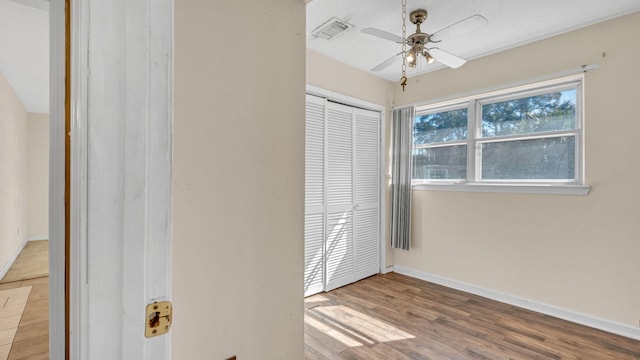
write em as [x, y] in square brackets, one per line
[441, 323]
[39, 288]
[32, 330]
[377, 352]
[4, 351]
[35, 311]
[11, 285]
[32, 349]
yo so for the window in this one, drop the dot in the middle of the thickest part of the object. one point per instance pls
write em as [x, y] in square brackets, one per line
[523, 136]
[440, 144]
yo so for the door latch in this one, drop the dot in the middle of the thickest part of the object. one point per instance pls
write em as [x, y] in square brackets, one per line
[158, 319]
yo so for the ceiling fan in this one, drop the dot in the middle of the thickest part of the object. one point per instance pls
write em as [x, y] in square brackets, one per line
[418, 41]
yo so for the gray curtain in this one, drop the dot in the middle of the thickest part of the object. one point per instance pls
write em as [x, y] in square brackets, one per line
[401, 178]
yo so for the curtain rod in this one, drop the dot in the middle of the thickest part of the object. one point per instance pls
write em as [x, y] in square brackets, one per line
[459, 96]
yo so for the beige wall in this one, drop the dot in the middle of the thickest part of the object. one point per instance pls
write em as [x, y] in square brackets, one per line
[575, 252]
[13, 172]
[329, 74]
[332, 75]
[38, 174]
[238, 179]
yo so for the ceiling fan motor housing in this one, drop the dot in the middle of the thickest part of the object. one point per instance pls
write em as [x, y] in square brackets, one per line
[418, 16]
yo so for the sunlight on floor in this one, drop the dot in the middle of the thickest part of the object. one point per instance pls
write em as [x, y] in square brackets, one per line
[315, 298]
[12, 304]
[335, 332]
[314, 301]
[352, 328]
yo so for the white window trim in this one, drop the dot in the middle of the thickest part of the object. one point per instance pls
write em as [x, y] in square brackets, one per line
[473, 182]
[506, 188]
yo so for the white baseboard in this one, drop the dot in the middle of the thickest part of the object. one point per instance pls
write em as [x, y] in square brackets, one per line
[38, 237]
[551, 310]
[13, 258]
[388, 269]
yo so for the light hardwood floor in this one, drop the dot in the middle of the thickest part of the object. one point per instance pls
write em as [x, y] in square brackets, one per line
[31, 341]
[12, 304]
[397, 317]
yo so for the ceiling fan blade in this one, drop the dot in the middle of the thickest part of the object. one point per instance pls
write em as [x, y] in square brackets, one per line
[459, 28]
[446, 58]
[383, 34]
[387, 63]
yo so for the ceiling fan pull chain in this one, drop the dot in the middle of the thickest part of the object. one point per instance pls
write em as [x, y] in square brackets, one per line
[403, 79]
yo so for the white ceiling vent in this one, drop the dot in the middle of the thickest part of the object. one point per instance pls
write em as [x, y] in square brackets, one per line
[331, 28]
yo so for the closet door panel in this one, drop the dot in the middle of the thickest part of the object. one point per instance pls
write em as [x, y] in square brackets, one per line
[314, 198]
[313, 253]
[339, 231]
[339, 250]
[366, 242]
[314, 154]
[367, 193]
[367, 168]
[339, 158]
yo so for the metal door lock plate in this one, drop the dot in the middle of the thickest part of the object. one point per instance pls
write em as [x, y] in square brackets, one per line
[158, 319]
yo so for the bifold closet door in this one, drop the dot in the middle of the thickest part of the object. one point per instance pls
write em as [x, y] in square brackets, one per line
[339, 231]
[314, 197]
[367, 175]
[342, 195]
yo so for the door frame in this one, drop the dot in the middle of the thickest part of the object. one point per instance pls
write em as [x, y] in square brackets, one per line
[57, 181]
[120, 176]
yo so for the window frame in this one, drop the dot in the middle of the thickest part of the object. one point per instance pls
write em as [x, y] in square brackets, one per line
[475, 139]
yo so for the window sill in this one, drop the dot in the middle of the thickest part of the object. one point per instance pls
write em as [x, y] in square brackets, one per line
[510, 188]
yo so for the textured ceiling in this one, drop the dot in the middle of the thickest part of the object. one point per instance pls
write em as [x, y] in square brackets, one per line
[24, 36]
[510, 24]
[24, 51]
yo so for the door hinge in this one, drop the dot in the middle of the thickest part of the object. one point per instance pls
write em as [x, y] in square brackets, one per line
[158, 319]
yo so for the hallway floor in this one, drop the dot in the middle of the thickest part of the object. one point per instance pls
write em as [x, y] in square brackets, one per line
[31, 339]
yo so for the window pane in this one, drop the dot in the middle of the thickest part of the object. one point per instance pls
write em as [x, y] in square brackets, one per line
[448, 162]
[547, 112]
[440, 127]
[549, 158]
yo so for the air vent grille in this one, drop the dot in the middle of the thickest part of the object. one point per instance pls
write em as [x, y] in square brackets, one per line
[331, 28]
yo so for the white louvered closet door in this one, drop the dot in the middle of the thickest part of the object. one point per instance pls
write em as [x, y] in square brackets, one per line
[314, 198]
[367, 193]
[339, 246]
[342, 195]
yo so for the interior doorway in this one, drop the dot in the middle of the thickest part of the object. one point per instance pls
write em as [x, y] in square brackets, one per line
[24, 179]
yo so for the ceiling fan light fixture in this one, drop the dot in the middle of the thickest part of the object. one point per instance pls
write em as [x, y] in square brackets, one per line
[412, 58]
[427, 56]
